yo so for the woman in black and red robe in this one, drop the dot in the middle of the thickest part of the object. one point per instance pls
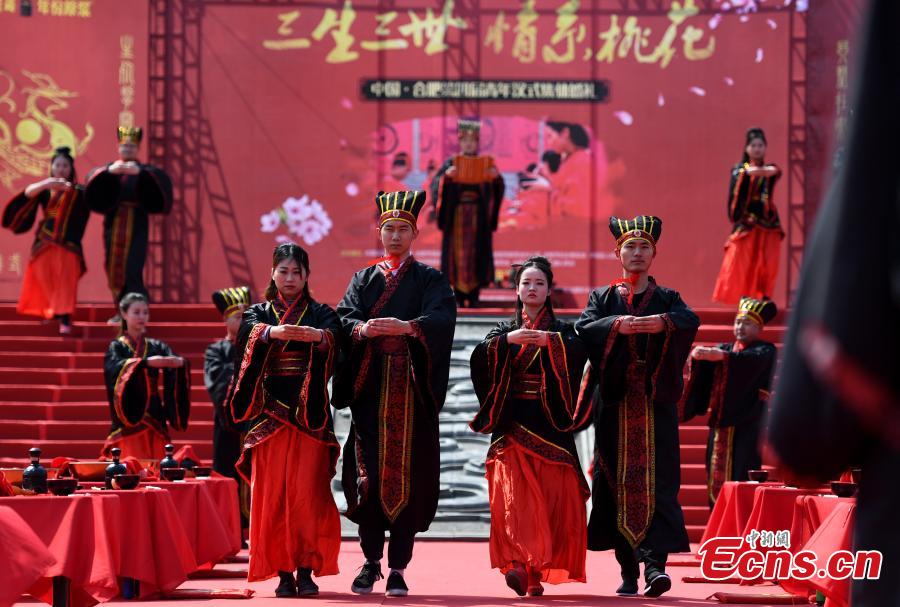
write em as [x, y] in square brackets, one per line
[50, 286]
[133, 367]
[288, 347]
[753, 249]
[526, 374]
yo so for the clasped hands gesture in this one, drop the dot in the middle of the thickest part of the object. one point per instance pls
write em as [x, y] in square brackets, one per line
[629, 325]
[124, 167]
[165, 362]
[528, 337]
[707, 353]
[297, 333]
[380, 327]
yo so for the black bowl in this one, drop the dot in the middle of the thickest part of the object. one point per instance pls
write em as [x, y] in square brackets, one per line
[202, 471]
[62, 486]
[760, 476]
[172, 474]
[126, 481]
[843, 489]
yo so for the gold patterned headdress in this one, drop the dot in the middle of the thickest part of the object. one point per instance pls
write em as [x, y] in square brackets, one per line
[760, 311]
[230, 301]
[404, 206]
[130, 134]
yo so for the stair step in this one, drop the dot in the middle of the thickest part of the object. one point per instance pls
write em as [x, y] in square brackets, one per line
[68, 377]
[70, 394]
[85, 411]
[69, 360]
[84, 430]
[81, 449]
[94, 344]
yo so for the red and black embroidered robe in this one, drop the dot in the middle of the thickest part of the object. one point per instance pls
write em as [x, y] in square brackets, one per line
[750, 200]
[467, 214]
[637, 467]
[395, 387]
[126, 202]
[735, 391]
[284, 383]
[65, 219]
[529, 394]
[133, 388]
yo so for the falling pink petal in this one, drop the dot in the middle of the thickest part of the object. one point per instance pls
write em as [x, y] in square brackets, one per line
[698, 91]
[660, 100]
[352, 189]
[772, 24]
[624, 117]
[729, 81]
[745, 18]
[726, 6]
[343, 143]
[759, 55]
[346, 104]
[714, 21]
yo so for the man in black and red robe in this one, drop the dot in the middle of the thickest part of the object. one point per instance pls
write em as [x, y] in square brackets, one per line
[398, 317]
[468, 192]
[638, 335]
[127, 192]
[732, 382]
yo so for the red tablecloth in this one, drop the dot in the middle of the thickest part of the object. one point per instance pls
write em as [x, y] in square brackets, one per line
[154, 547]
[76, 532]
[835, 533]
[23, 557]
[773, 510]
[809, 512]
[224, 493]
[732, 509]
[207, 534]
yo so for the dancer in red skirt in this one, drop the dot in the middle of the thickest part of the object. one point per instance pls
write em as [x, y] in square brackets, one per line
[526, 373]
[288, 348]
[133, 367]
[752, 251]
[50, 286]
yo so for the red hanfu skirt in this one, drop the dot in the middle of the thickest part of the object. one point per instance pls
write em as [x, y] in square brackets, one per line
[294, 521]
[750, 265]
[144, 444]
[538, 516]
[50, 285]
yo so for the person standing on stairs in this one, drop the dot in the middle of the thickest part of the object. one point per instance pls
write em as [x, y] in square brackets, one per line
[732, 381]
[526, 374]
[50, 286]
[126, 192]
[288, 346]
[218, 373]
[133, 367]
[638, 335]
[399, 317]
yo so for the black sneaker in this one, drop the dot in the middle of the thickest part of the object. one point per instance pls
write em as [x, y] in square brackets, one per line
[305, 584]
[369, 574]
[658, 586]
[396, 586]
[629, 587]
[287, 587]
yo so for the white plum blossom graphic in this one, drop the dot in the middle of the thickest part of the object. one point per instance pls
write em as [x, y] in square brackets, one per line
[304, 218]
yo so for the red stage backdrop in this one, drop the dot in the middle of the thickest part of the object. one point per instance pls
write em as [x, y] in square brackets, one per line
[307, 104]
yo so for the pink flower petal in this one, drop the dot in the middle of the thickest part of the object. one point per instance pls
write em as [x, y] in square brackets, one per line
[660, 100]
[624, 117]
[352, 189]
[346, 104]
[729, 81]
[698, 91]
[759, 55]
[772, 24]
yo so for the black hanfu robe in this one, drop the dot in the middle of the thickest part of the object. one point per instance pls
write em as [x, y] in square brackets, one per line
[735, 391]
[65, 219]
[395, 387]
[284, 383]
[135, 403]
[126, 203]
[467, 214]
[836, 404]
[529, 394]
[637, 472]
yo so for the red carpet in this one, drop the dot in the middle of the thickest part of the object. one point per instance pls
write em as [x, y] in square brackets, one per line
[457, 574]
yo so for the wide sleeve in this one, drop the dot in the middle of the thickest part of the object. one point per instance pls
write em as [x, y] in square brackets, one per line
[176, 391]
[154, 190]
[736, 186]
[597, 328]
[352, 315]
[498, 189]
[215, 375]
[245, 401]
[313, 411]
[21, 211]
[127, 384]
[490, 370]
[447, 196]
[101, 190]
[432, 341]
[749, 373]
[562, 367]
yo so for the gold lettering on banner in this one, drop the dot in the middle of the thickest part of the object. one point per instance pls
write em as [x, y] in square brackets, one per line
[127, 79]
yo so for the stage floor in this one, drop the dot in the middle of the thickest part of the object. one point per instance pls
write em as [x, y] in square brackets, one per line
[458, 574]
